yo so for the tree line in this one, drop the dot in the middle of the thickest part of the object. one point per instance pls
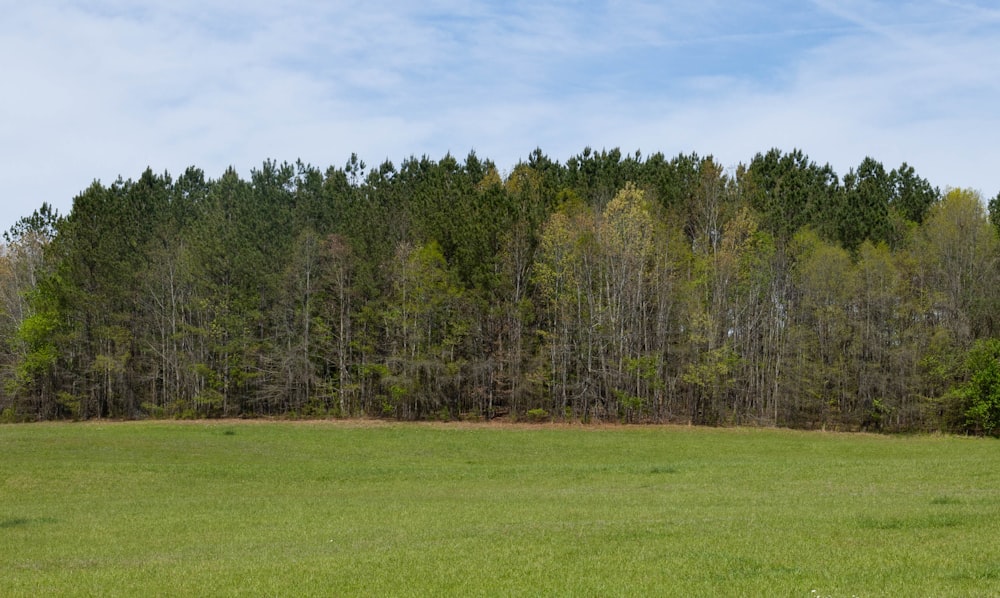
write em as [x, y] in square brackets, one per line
[611, 287]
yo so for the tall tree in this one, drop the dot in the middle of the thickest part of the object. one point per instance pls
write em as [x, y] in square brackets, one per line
[912, 196]
[427, 322]
[627, 234]
[817, 386]
[961, 252]
[790, 191]
[565, 271]
[864, 205]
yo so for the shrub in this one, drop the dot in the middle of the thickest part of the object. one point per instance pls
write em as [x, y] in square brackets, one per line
[979, 395]
[537, 415]
[8, 416]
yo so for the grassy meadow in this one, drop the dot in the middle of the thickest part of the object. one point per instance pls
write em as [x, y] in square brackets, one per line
[341, 509]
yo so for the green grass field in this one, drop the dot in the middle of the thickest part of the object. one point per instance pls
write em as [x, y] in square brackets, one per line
[291, 509]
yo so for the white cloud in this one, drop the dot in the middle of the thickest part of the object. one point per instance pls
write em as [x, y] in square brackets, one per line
[99, 89]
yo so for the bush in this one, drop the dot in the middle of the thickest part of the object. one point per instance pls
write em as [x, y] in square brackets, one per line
[979, 395]
[153, 410]
[537, 415]
[8, 416]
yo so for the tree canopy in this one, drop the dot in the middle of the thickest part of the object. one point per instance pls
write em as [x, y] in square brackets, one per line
[613, 287]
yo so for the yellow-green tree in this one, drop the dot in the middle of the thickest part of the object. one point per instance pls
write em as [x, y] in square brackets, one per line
[427, 319]
[566, 274]
[960, 251]
[816, 383]
[627, 235]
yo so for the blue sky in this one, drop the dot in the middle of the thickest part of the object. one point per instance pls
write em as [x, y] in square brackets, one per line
[94, 89]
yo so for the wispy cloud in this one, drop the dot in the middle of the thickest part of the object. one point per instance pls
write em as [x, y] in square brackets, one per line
[107, 87]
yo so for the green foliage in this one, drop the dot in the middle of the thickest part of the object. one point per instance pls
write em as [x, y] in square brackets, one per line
[864, 205]
[8, 416]
[913, 196]
[36, 333]
[712, 374]
[37, 338]
[979, 395]
[790, 191]
[613, 287]
[630, 407]
[70, 403]
[537, 415]
[961, 255]
[994, 212]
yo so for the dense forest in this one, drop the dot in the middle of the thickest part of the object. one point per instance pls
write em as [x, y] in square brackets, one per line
[610, 288]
